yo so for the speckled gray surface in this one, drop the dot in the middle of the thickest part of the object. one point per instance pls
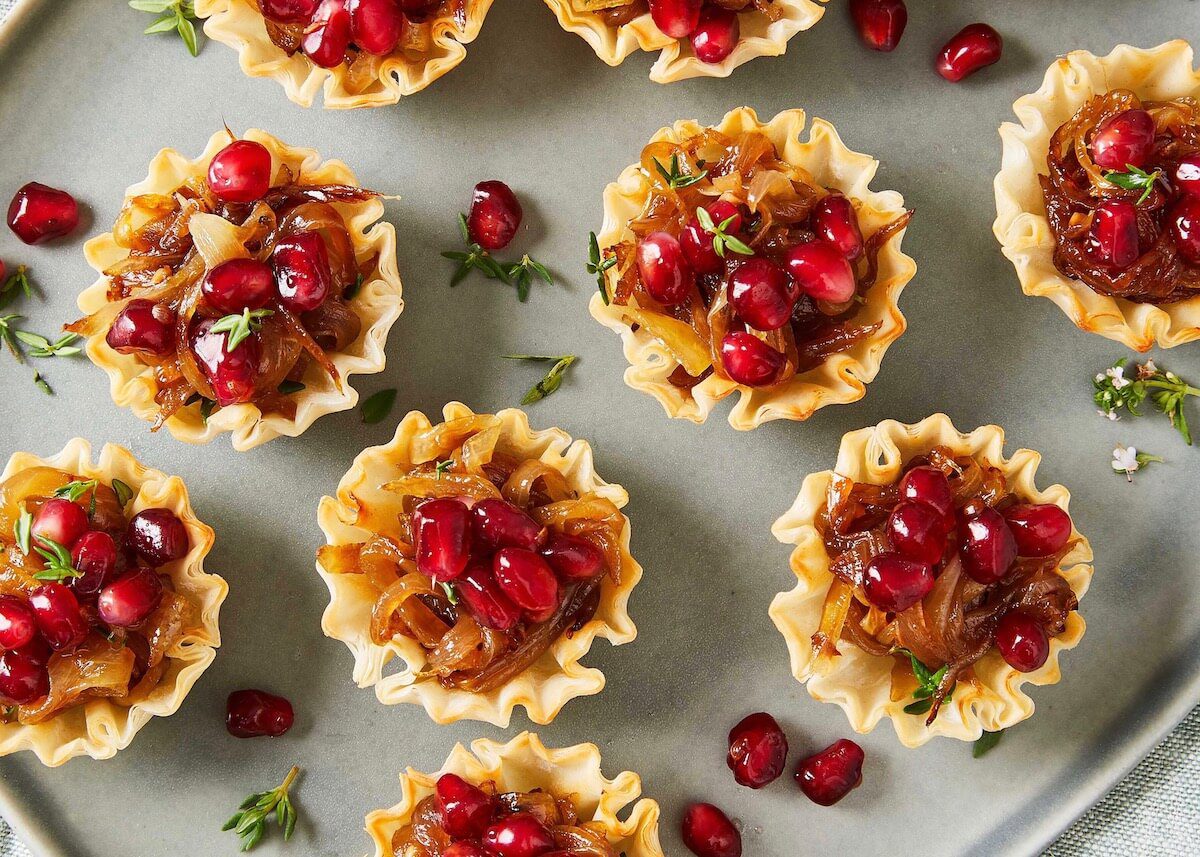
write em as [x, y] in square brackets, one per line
[703, 498]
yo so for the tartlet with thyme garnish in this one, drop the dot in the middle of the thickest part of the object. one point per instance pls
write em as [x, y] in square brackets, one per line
[486, 556]
[1098, 196]
[239, 291]
[528, 798]
[107, 617]
[742, 259]
[934, 580]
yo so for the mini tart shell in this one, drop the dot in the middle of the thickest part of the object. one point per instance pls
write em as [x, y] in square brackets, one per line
[378, 304]
[99, 727]
[525, 764]
[843, 377]
[542, 689]
[759, 38]
[240, 25]
[1160, 73]
[861, 683]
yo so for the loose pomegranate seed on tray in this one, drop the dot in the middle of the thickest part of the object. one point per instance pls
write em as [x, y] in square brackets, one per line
[880, 23]
[39, 213]
[758, 749]
[253, 713]
[973, 47]
[828, 776]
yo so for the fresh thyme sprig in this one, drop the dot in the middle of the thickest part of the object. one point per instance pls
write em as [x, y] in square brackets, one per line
[442, 467]
[676, 179]
[552, 380]
[721, 241]
[58, 560]
[43, 347]
[250, 821]
[1127, 460]
[1167, 391]
[238, 326]
[521, 275]
[174, 15]
[74, 490]
[8, 334]
[929, 684]
[1135, 179]
[475, 259]
[18, 281]
[598, 265]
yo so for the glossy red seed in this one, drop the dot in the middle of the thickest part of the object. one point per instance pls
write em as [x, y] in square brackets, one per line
[255, 714]
[1187, 175]
[157, 536]
[835, 220]
[40, 213]
[519, 835]
[880, 23]
[716, 35]
[241, 172]
[17, 622]
[496, 523]
[676, 18]
[232, 374]
[288, 11]
[663, 269]
[821, 271]
[573, 557]
[1123, 140]
[1185, 228]
[917, 532]
[22, 680]
[59, 521]
[697, 242]
[94, 556]
[1113, 237]
[495, 215]
[748, 360]
[1040, 529]
[129, 599]
[376, 26]
[972, 48]
[757, 750]
[928, 485]
[143, 326]
[1022, 641]
[302, 273]
[527, 580]
[987, 546]
[762, 294]
[893, 583]
[3, 272]
[59, 619]
[708, 832]
[442, 528]
[328, 36]
[239, 284]
[483, 597]
[466, 810]
[828, 776]
[472, 849]
[37, 650]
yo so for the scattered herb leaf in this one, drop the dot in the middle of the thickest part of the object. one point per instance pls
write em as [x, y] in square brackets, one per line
[18, 281]
[238, 326]
[288, 387]
[250, 821]
[552, 380]
[598, 265]
[451, 595]
[174, 15]
[721, 241]
[986, 742]
[928, 681]
[207, 406]
[1135, 179]
[7, 333]
[41, 383]
[123, 491]
[352, 291]
[21, 530]
[1168, 392]
[58, 560]
[676, 179]
[521, 275]
[378, 406]
[443, 466]
[42, 347]
[475, 259]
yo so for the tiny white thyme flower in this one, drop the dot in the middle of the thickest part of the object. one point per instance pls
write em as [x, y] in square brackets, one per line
[1112, 415]
[1117, 373]
[1165, 390]
[1127, 460]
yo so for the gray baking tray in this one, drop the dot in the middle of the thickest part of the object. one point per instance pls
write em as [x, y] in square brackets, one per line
[86, 100]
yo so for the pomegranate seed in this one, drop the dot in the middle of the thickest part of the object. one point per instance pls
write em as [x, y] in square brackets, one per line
[241, 172]
[836, 221]
[1113, 237]
[757, 750]
[917, 532]
[1123, 140]
[697, 242]
[58, 616]
[1022, 641]
[880, 23]
[828, 776]
[17, 622]
[1039, 529]
[466, 810]
[822, 271]
[157, 536]
[487, 603]
[442, 530]
[59, 521]
[232, 374]
[928, 485]
[761, 293]
[39, 213]
[527, 580]
[708, 832]
[1185, 228]
[519, 835]
[328, 37]
[95, 557]
[716, 36]
[676, 18]
[1187, 176]
[470, 849]
[143, 326]
[302, 273]
[987, 546]
[893, 583]
[497, 523]
[972, 48]
[288, 11]
[748, 360]
[239, 284]
[22, 680]
[376, 26]
[495, 215]
[255, 713]
[36, 650]
[3, 272]
[662, 267]
[129, 599]
[573, 557]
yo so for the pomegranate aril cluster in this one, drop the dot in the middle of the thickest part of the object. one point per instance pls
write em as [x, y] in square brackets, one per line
[331, 29]
[479, 826]
[713, 31]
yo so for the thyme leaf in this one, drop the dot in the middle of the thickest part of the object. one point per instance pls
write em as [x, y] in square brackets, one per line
[123, 491]
[58, 560]
[598, 264]
[522, 273]
[676, 179]
[552, 379]
[721, 240]
[250, 821]
[173, 15]
[475, 259]
[1134, 179]
[1114, 391]
[238, 326]
[986, 742]
[378, 406]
